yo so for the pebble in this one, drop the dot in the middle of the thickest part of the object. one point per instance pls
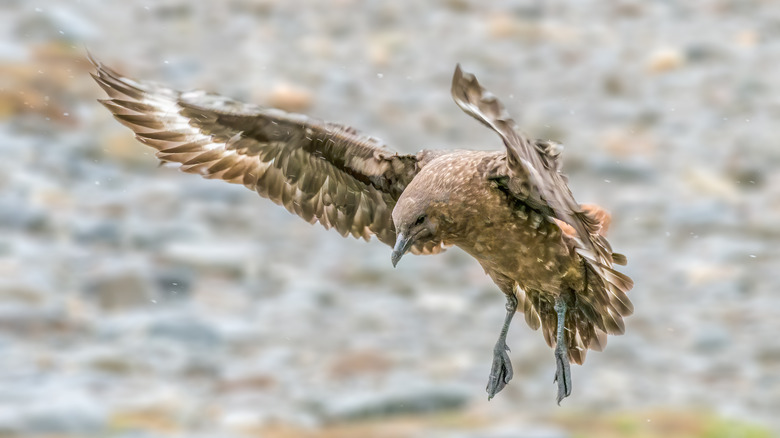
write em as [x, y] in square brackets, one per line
[186, 330]
[175, 284]
[503, 26]
[23, 293]
[104, 232]
[233, 258]
[20, 215]
[290, 98]
[70, 414]
[26, 322]
[58, 22]
[119, 288]
[413, 399]
[665, 59]
[711, 339]
[748, 38]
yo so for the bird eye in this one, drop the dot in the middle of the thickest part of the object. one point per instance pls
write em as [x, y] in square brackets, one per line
[420, 220]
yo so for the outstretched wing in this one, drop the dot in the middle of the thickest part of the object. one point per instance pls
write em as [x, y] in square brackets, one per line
[532, 176]
[321, 171]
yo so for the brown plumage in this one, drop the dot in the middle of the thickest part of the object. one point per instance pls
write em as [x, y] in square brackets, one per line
[512, 210]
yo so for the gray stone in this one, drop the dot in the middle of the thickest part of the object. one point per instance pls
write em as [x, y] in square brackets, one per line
[415, 400]
[28, 322]
[64, 415]
[105, 232]
[175, 284]
[703, 215]
[711, 338]
[120, 288]
[186, 330]
[23, 292]
[233, 258]
[18, 215]
[213, 191]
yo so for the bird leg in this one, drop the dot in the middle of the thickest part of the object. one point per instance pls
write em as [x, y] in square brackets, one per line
[501, 371]
[563, 372]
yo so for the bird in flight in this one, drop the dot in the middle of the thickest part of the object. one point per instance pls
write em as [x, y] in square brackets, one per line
[511, 209]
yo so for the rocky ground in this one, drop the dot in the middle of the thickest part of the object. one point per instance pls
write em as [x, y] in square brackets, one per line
[136, 301]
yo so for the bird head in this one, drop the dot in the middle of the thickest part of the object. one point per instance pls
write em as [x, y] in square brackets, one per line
[415, 223]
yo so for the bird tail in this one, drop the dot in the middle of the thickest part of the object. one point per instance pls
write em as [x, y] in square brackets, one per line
[597, 305]
[593, 312]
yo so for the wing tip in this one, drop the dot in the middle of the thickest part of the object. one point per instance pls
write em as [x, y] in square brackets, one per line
[457, 74]
[462, 82]
[92, 59]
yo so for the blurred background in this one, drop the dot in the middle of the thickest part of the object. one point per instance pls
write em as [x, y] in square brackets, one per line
[136, 301]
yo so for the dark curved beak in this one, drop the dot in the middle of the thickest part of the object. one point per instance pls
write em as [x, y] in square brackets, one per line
[402, 245]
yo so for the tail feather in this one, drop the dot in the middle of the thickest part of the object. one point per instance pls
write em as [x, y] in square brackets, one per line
[600, 303]
[619, 259]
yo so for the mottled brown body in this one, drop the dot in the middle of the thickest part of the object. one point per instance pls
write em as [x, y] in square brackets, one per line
[512, 242]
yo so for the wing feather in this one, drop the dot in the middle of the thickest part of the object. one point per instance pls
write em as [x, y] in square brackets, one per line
[317, 170]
